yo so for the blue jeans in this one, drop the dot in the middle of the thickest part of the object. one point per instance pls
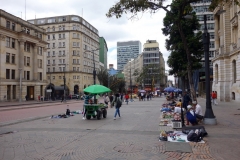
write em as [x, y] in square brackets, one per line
[117, 112]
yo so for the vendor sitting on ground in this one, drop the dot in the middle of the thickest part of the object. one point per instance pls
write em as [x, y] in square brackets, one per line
[179, 104]
[191, 116]
[173, 103]
[198, 111]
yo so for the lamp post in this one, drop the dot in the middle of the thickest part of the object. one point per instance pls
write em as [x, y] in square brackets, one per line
[209, 117]
[94, 71]
[64, 84]
[50, 88]
[20, 85]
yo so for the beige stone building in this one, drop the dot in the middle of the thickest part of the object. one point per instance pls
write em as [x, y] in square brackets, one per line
[150, 55]
[226, 63]
[133, 65]
[22, 57]
[71, 44]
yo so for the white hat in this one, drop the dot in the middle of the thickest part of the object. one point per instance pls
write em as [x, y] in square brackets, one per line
[194, 102]
[189, 106]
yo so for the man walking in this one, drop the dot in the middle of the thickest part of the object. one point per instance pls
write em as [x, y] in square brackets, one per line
[118, 104]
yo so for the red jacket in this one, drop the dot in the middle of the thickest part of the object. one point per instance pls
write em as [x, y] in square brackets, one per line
[126, 96]
[214, 95]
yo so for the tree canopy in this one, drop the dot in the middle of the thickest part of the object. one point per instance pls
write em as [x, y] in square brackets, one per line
[177, 59]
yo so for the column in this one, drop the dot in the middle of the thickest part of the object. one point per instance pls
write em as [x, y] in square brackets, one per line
[35, 62]
[21, 67]
[2, 68]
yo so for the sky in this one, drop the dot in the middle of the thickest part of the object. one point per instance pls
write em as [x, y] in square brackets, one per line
[144, 27]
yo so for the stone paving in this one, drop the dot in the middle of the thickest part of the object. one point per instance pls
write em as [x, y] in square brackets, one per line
[133, 136]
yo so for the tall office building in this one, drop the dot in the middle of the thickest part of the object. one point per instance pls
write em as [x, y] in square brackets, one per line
[152, 56]
[201, 9]
[22, 58]
[103, 50]
[71, 44]
[126, 51]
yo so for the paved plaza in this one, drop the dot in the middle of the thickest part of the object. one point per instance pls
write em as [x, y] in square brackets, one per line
[134, 136]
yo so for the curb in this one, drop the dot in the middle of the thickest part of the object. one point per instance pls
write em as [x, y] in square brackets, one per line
[37, 106]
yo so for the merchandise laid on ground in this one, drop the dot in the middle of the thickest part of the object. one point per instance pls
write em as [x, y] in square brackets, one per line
[176, 132]
[68, 114]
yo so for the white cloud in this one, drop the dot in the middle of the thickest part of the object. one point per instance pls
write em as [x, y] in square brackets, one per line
[146, 27]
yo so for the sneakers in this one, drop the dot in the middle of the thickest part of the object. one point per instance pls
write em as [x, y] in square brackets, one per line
[83, 118]
[114, 118]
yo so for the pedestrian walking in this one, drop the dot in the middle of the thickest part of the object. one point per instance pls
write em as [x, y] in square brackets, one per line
[111, 100]
[214, 97]
[186, 100]
[118, 104]
[126, 98]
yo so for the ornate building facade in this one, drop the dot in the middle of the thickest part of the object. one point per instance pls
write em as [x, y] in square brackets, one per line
[226, 63]
[72, 50]
[22, 58]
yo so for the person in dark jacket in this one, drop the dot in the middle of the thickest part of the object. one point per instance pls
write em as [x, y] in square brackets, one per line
[87, 99]
[186, 100]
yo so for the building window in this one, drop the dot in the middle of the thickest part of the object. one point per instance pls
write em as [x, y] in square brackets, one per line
[53, 36]
[74, 61]
[63, 61]
[77, 68]
[40, 50]
[62, 19]
[27, 47]
[234, 71]
[48, 29]
[53, 29]
[52, 20]
[53, 77]
[48, 37]
[13, 26]
[7, 57]
[60, 69]
[74, 68]
[63, 68]
[48, 69]
[59, 36]
[28, 61]
[13, 58]
[60, 77]
[13, 43]
[63, 44]
[63, 35]
[60, 44]
[60, 53]
[53, 69]
[48, 54]
[40, 76]
[40, 63]
[60, 61]
[216, 73]
[8, 24]
[53, 61]
[53, 53]
[28, 75]
[13, 74]
[63, 52]
[7, 41]
[53, 45]
[48, 61]
[7, 73]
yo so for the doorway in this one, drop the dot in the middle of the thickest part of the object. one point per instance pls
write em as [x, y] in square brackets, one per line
[30, 92]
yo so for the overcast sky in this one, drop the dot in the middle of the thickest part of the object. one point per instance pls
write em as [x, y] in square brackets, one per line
[146, 27]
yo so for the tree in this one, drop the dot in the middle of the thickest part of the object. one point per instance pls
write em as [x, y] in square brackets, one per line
[135, 6]
[149, 73]
[102, 75]
[177, 59]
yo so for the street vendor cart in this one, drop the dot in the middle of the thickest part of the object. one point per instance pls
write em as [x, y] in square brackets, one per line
[96, 110]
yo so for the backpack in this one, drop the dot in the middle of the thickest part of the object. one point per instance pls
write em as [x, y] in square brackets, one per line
[118, 103]
[68, 112]
[194, 137]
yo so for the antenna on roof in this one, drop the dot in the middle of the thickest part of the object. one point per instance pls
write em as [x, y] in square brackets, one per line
[82, 12]
[25, 11]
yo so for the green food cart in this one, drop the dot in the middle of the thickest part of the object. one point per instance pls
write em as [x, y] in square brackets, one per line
[96, 111]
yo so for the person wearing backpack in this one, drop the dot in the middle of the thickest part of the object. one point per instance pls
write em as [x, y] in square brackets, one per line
[118, 104]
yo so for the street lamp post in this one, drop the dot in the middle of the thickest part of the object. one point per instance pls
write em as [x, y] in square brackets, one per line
[94, 71]
[209, 117]
[50, 88]
[64, 84]
[20, 85]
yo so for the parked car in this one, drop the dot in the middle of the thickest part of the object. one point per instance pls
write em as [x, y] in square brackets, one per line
[75, 96]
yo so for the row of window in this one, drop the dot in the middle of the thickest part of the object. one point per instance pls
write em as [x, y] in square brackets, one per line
[60, 44]
[198, 9]
[210, 26]
[60, 53]
[10, 25]
[11, 74]
[60, 36]
[208, 16]
[10, 42]
[10, 58]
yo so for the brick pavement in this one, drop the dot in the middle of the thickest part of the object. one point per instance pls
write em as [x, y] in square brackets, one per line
[134, 136]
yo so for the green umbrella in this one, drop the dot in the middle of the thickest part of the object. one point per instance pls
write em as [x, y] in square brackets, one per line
[96, 89]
